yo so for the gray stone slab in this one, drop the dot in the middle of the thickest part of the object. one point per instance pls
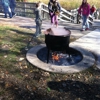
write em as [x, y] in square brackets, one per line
[96, 23]
[87, 61]
[90, 42]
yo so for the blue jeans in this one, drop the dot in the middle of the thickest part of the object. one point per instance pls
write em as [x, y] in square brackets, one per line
[13, 10]
[7, 10]
[85, 22]
[38, 27]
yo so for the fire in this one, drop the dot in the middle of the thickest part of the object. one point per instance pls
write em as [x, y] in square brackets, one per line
[55, 57]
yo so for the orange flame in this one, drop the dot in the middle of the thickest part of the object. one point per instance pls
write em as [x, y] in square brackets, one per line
[55, 57]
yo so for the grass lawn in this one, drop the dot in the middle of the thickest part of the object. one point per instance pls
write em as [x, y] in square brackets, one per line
[19, 80]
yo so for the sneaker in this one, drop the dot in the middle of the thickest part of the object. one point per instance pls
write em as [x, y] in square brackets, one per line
[87, 29]
[10, 17]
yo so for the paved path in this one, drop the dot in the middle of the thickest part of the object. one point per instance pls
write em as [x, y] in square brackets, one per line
[29, 23]
[96, 23]
[89, 40]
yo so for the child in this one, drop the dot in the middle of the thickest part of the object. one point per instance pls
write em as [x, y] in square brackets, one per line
[56, 13]
[38, 20]
[92, 10]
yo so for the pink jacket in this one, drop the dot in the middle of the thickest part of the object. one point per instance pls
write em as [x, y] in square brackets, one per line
[85, 10]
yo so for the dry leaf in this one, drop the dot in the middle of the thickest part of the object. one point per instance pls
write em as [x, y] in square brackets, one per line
[5, 56]
[20, 59]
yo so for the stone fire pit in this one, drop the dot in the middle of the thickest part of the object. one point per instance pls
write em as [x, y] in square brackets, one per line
[86, 61]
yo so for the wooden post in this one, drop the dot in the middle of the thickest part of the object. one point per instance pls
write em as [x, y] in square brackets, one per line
[24, 9]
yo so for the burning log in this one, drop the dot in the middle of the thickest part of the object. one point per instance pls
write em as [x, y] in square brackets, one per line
[55, 56]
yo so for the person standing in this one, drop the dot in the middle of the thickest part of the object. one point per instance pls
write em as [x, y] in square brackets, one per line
[92, 10]
[38, 20]
[12, 6]
[58, 4]
[51, 9]
[56, 13]
[84, 10]
[50, 4]
[6, 7]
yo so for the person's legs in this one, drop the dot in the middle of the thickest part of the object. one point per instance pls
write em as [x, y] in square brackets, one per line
[40, 27]
[84, 22]
[37, 29]
[87, 24]
[56, 20]
[51, 17]
[9, 12]
[13, 11]
[5, 12]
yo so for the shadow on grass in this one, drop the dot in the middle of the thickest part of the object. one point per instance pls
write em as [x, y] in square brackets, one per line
[20, 32]
[21, 92]
[78, 89]
[29, 27]
[30, 36]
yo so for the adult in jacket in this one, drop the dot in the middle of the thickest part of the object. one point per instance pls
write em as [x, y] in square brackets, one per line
[50, 8]
[84, 10]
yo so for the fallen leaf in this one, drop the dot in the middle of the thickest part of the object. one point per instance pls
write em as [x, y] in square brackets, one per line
[20, 59]
[25, 66]
[86, 78]
[5, 56]
[78, 77]
[26, 75]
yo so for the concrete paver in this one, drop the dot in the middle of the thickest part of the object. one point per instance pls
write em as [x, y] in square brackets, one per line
[90, 42]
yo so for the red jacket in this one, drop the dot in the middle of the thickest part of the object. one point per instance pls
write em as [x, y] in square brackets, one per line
[92, 9]
[84, 10]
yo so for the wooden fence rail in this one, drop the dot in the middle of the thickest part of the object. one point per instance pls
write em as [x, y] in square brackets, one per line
[27, 9]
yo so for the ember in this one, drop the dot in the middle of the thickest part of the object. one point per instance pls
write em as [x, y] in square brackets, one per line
[60, 58]
[55, 56]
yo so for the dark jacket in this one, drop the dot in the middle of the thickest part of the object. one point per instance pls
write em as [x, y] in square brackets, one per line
[55, 8]
[51, 9]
